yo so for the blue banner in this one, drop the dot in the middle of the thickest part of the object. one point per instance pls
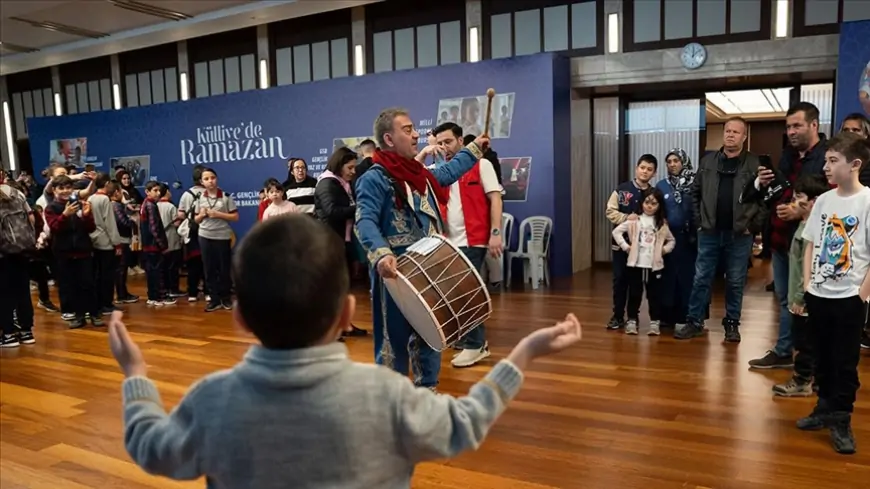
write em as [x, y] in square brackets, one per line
[247, 137]
[853, 71]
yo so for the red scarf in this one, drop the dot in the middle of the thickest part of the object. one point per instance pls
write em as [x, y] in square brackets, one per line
[406, 170]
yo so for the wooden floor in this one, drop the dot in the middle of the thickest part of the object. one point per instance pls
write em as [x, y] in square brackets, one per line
[614, 412]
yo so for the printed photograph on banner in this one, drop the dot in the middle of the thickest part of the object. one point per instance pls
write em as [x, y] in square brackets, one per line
[515, 174]
[70, 151]
[352, 143]
[864, 90]
[139, 167]
[470, 114]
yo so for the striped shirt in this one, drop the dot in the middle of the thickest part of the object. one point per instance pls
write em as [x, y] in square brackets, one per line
[302, 194]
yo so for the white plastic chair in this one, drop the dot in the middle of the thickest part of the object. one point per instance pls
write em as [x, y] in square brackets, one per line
[534, 249]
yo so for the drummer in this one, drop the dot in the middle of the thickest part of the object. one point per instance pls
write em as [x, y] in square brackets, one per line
[398, 202]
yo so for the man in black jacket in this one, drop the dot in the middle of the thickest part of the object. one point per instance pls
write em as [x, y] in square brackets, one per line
[805, 155]
[726, 227]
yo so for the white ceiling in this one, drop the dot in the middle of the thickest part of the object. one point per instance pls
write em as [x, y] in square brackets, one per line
[751, 102]
[127, 30]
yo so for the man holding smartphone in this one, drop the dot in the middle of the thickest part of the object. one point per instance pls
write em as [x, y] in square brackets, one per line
[805, 155]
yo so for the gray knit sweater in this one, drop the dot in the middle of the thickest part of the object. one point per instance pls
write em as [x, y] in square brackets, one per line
[308, 418]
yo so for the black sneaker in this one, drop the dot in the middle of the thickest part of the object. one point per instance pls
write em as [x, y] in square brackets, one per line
[842, 438]
[772, 360]
[354, 331]
[26, 337]
[77, 323]
[691, 330]
[228, 305]
[615, 323]
[212, 306]
[47, 305]
[9, 341]
[96, 320]
[67, 316]
[865, 340]
[130, 299]
[817, 420]
[732, 330]
[107, 311]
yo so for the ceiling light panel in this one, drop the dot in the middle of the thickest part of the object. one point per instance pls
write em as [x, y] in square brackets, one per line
[750, 102]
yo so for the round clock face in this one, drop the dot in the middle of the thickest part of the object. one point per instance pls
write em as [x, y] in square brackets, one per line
[693, 56]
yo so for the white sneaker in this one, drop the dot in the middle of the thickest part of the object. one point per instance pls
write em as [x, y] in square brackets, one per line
[654, 328]
[631, 327]
[154, 303]
[467, 358]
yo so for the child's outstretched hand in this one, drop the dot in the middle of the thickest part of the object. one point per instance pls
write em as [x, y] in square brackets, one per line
[124, 349]
[546, 341]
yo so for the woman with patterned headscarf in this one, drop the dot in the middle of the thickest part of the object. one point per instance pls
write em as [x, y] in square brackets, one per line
[679, 264]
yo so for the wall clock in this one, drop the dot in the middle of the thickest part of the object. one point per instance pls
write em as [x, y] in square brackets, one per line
[694, 56]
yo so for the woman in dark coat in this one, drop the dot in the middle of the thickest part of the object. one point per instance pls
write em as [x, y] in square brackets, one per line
[679, 271]
[334, 204]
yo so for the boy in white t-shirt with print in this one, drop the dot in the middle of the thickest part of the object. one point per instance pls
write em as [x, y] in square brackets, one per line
[838, 286]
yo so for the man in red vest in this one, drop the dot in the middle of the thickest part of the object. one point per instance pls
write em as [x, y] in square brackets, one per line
[473, 215]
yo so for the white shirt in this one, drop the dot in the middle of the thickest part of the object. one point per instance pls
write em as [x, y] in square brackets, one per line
[455, 217]
[839, 228]
[646, 241]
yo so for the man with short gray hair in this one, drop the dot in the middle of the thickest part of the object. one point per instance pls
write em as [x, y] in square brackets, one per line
[398, 202]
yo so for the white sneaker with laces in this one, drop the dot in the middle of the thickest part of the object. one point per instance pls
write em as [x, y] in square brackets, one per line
[655, 328]
[467, 358]
[631, 327]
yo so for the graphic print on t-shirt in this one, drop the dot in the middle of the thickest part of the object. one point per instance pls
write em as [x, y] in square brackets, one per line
[835, 257]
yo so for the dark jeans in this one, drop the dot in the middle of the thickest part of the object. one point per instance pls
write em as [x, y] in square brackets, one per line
[638, 279]
[837, 341]
[476, 338]
[171, 269]
[15, 294]
[39, 274]
[121, 273]
[802, 338]
[75, 280]
[195, 275]
[105, 269]
[677, 279]
[153, 263]
[735, 250]
[620, 283]
[216, 260]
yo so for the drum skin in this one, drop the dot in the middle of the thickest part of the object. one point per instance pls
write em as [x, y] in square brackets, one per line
[450, 287]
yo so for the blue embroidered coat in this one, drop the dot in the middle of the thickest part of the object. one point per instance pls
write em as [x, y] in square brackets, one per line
[382, 229]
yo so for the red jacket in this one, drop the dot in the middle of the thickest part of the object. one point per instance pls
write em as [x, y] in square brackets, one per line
[475, 207]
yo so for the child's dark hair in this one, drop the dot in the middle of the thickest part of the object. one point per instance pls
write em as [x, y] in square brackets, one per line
[310, 287]
[269, 182]
[852, 146]
[163, 189]
[661, 215]
[61, 181]
[274, 184]
[811, 185]
[101, 180]
[150, 185]
[652, 160]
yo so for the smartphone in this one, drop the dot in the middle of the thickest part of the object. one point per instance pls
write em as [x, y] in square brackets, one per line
[74, 197]
[89, 168]
[765, 161]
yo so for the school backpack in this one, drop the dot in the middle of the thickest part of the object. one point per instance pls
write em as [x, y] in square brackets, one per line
[189, 229]
[16, 232]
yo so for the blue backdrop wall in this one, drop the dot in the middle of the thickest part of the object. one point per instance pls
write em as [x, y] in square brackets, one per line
[265, 127]
[853, 71]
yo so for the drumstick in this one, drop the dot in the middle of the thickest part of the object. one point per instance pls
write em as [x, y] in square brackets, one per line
[489, 95]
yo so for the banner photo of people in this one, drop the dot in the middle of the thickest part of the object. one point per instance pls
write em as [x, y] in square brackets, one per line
[515, 174]
[468, 112]
[350, 143]
[70, 151]
[853, 71]
[139, 168]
